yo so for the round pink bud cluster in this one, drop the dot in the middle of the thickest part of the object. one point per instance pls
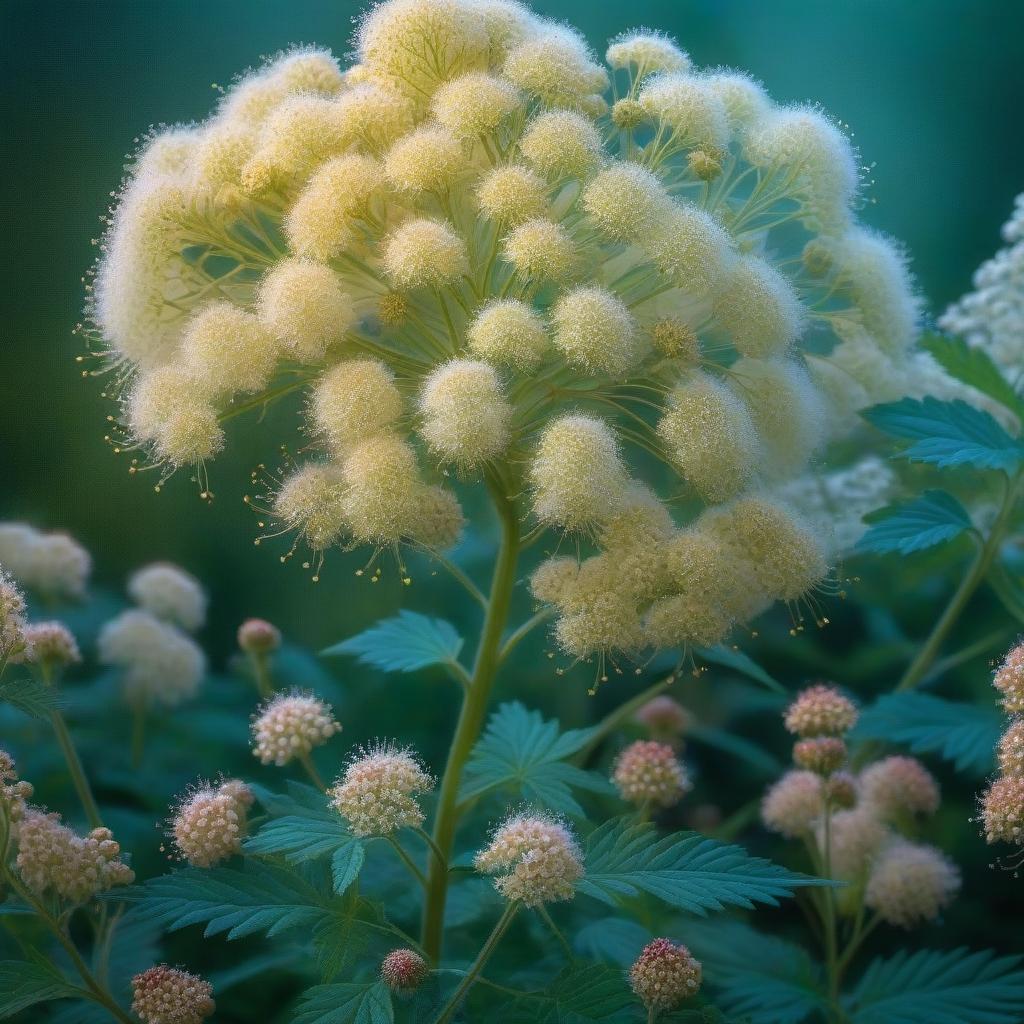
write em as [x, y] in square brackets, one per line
[541, 860]
[13, 793]
[664, 975]
[841, 790]
[209, 823]
[899, 785]
[166, 995]
[856, 835]
[52, 858]
[1002, 810]
[822, 755]
[793, 804]
[51, 645]
[377, 793]
[290, 725]
[1009, 681]
[1011, 749]
[257, 636]
[664, 717]
[12, 619]
[820, 711]
[403, 970]
[910, 883]
[649, 773]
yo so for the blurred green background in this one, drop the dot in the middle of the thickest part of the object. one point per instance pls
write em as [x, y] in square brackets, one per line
[931, 90]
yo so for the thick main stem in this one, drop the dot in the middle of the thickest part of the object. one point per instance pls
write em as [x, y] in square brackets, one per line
[471, 719]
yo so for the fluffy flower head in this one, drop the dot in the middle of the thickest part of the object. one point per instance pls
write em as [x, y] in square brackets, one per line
[167, 995]
[209, 823]
[665, 975]
[820, 710]
[649, 773]
[291, 725]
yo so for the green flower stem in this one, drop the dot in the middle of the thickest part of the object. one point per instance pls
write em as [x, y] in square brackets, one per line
[556, 931]
[314, 776]
[861, 932]
[260, 662]
[425, 836]
[407, 861]
[831, 953]
[544, 615]
[471, 718]
[485, 954]
[75, 770]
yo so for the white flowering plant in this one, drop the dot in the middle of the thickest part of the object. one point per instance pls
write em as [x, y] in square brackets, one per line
[586, 344]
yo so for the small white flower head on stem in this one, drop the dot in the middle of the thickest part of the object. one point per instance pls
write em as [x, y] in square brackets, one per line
[377, 793]
[167, 995]
[665, 975]
[1002, 810]
[1009, 681]
[169, 593]
[258, 637]
[13, 792]
[820, 710]
[290, 725]
[403, 970]
[910, 883]
[898, 786]
[209, 822]
[822, 755]
[648, 773]
[12, 619]
[793, 804]
[51, 645]
[53, 564]
[665, 718]
[536, 858]
[1011, 749]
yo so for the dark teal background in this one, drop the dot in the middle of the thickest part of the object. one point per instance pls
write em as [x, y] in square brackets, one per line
[932, 92]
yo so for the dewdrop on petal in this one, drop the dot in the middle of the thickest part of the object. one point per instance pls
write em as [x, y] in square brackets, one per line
[510, 333]
[377, 793]
[536, 858]
[424, 253]
[209, 823]
[624, 200]
[1011, 749]
[169, 593]
[354, 400]
[541, 249]
[690, 247]
[1009, 681]
[665, 975]
[290, 725]
[709, 435]
[228, 349]
[822, 755]
[50, 645]
[758, 308]
[910, 883]
[793, 804]
[553, 579]
[512, 194]
[167, 995]
[691, 112]
[403, 970]
[596, 332]
[303, 305]
[382, 485]
[648, 773]
[426, 160]
[555, 66]
[647, 52]
[820, 710]
[474, 104]
[311, 502]
[321, 223]
[465, 414]
[577, 475]
[562, 144]
[898, 786]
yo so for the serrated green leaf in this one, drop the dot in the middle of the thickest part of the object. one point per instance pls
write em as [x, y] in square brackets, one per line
[29, 695]
[579, 995]
[963, 733]
[346, 863]
[931, 519]
[757, 977]
[948, 433]
[301, 800]
[355, 931]
[299, 838]
[522, 751]
[743, 664]
[974, 367]
[405, 643]
[612, 940]
[932, 987]
[684, 870]
[367, 1003]
[24, 984]
[259, 898]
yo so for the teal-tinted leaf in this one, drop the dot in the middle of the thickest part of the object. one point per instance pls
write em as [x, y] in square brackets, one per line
[299, 838]
[613, 940]
[932, 519]
[29, 695]
[963, 733]
[973, 366]
[405, 643]
[579, 995]
[24, 984]
[522, 751]
[684, 870]
[259, 898]
[346, 863]
[355, 931]
[757, 977]
[367, 1003]
[301, 800]
[948, 433]
[932, 987]
[742, 664]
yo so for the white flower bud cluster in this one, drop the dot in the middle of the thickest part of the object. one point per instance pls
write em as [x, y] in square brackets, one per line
[167, 995]
[290, 725]
[50, 645]
[169, 593]
[443, 247]
[1002, 803]
[52, 564]
[209, 823]
[13, 792]
[13, 645]
[54, 859]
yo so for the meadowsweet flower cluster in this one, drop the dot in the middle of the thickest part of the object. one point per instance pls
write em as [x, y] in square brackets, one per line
[665, 975]
[209, 823]
[290, 725]
[54, 564]
[649, 774]
[170, 594]
[50, 645]
[855, 822]
[665, 719]
[1002, 804]
[478, 250]
[12, 620]
[13, 791]
[167, 995]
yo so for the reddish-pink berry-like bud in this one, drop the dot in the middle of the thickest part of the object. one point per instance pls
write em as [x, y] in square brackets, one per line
[165, 995]
[1009, 681]
[664, 975]
[899, 785]
[820, 754]
[664, 717]
[647, 772]
[1002, 810]
[1011, 750]
[403, 970]
[820, 711]
[257, 636]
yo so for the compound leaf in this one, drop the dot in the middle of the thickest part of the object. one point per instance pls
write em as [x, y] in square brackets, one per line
[974, 367]
[405, 643]
[365, 1003]
[931, 519]
[24, 984]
